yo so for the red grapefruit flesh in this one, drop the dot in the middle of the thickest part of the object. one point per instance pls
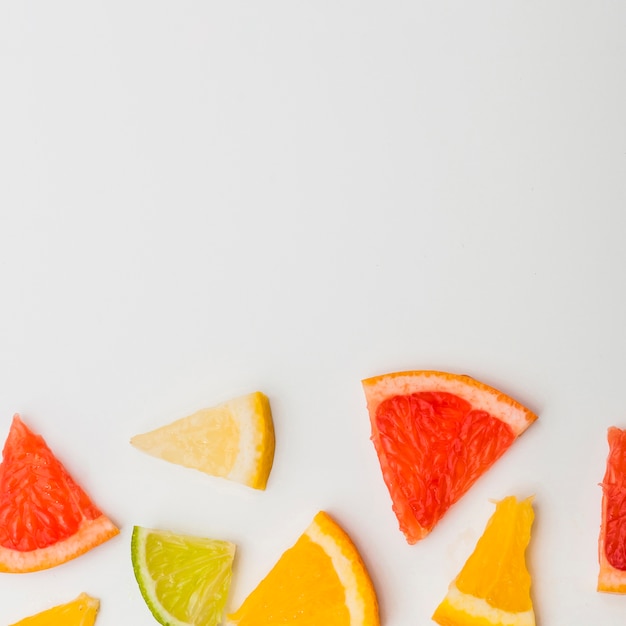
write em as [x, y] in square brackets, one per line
[45, 518]
[612, 541]
[435, 434]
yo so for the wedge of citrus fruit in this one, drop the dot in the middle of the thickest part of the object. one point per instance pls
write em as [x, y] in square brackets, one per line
[183, 579]
[234, 440]
[79, 612]
[45, 517]
[321, 579]
[493, 588]
[435, 434]
[612, 541]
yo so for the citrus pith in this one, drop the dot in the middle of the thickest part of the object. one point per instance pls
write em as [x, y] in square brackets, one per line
[435, 434]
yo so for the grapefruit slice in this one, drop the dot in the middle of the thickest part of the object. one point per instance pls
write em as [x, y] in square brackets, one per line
[612, 541]
[45, 518]
[320, 580]
[234, 440]
[435, 434]
[493, 587]
[79, 612]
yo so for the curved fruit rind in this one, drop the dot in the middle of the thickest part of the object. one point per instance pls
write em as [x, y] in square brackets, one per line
[323, 561]
[610, 578]
[234, 440]
[90, 534]
[79, 612]
[193, 589]
[478, 394]
[360, 595]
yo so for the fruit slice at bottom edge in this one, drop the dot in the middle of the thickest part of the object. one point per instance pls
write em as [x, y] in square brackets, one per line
[493, 588]
[45, 517]
[612, 540]
[234, 440]
[321, 579]
[79, 612]
[435, 434]
[183, 579]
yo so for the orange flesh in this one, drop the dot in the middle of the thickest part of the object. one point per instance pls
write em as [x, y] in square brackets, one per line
[434, 446]
[291, 593]
[496, 570]
[40, 504]
[614, 491]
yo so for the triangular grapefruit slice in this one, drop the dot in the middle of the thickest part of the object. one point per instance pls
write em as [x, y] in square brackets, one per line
[45, 518]
[612, 541]
[435, 434]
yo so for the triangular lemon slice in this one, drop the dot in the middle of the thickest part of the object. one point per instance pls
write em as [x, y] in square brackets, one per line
[493, 588]
[234, 440]
[79, 612]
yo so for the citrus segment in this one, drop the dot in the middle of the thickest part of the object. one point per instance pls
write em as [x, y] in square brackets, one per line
[234, 440]
[79, 612]
[493, 587]
[183, 579]
[45, 517]
[612, 541]
[321, 579]
[435, 434]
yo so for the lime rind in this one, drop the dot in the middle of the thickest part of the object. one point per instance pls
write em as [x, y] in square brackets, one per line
[184, 580]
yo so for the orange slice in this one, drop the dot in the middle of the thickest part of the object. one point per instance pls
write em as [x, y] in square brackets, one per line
[435, 434]
[493, 588]
[80, 612]
[45, 517]
[320, 580]
[612, 541]
[234, 440]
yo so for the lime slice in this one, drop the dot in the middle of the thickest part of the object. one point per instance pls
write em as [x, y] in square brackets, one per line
[184, 580]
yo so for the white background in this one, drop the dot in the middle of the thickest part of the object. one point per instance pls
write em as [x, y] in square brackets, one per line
[202, 199]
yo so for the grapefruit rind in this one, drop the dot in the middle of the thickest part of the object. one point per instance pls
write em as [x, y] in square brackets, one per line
[240, 430]
[79, 612]
[377, 389]
[478, 394]
[90, 534]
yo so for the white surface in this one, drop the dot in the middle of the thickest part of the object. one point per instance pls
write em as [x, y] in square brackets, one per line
[198, 200]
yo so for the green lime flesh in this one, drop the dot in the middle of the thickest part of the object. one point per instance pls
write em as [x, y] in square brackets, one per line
[184, 580]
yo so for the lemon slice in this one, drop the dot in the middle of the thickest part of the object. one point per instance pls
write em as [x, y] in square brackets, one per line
[183, 579]
[79, 612]
[234, 440]
[320, 581]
